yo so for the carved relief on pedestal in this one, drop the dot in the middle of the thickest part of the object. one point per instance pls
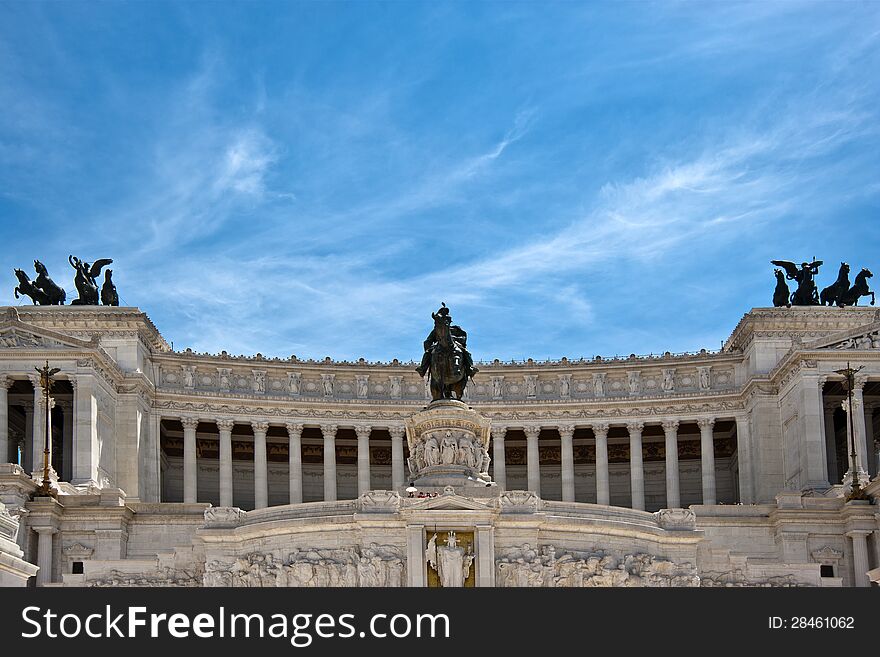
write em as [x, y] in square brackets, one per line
[448, 439]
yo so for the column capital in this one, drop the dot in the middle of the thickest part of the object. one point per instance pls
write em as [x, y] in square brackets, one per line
[71, 379]
[852, 533]
[499, 432]
[329, 429]
[362, 430]
[6, 381]
[532, 433]
[225, 424]
[635, 427]
[601, 429]
[670, 425]
[566, 430]
[294, 429]
[45, 529]
[189, 422]
[859, 384]
[397, 432]
[259, 426]
[706, 423]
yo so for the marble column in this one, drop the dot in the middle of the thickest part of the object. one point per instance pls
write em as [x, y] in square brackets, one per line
[329, 431]
[294, 459]
[38, 431]
[860, 424]
[397, 471]
[261, 465]
[860, 556]
[603, 494]
[363, 459]
[5, 383]
[566, 434]
[707, 458]
[673, 499]
[226, 490]
[499, 471]
[814, 462]
[636, 465]
[533, 459]
[855, 433]
[44, 554]
[744, 459]
[190, 463]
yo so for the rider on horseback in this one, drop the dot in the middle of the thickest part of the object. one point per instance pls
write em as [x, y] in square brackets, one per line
[459, 336]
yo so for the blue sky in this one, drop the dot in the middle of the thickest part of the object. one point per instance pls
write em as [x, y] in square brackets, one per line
[314, 179]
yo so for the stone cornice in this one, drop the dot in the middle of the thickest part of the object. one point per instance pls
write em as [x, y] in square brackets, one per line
[92, 320]
[805, 321]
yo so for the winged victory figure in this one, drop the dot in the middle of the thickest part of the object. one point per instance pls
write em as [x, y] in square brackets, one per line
[806, 293]
[86, 280]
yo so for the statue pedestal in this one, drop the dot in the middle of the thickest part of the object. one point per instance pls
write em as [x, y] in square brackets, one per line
[449, 446]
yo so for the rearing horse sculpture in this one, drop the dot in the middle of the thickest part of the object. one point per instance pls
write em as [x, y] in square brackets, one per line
[448, 374]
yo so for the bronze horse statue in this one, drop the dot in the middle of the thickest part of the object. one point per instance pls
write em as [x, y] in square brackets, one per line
[781, 295]
[833, 292]
[859, 289]
[26, 287]
[448, 374]
[53, 291]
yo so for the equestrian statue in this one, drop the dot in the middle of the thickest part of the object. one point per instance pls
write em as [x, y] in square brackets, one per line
[42, 290]
[446, 358]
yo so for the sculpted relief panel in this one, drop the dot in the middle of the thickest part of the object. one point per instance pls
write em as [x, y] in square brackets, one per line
[528, 567]
[371, 566]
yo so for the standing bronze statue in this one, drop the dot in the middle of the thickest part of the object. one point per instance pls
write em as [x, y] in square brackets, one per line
[806, 293]
[86, 285]
[446, 358]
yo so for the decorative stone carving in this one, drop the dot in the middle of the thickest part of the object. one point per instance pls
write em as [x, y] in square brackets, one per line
[737, 578]
[294, 380]
[395, 388]
[327, 384]
[259, 382]
[634, 378]
[370, 566]
[497, 387]
[451, 562]
[704, 376]
[223, 516]
[676, 519]
[448, 444]
[669, 380]
[379, 501]
[565, 386]
[599, 384]
[164, 577]
[77, 552]
[362, 385]
[518, 501]
[188, 376]
[827, 554]
[527, 567]
[224, 379]
[531, 381]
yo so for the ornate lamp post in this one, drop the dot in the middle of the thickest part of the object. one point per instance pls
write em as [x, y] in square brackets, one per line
[46, 374]
[856, 492]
